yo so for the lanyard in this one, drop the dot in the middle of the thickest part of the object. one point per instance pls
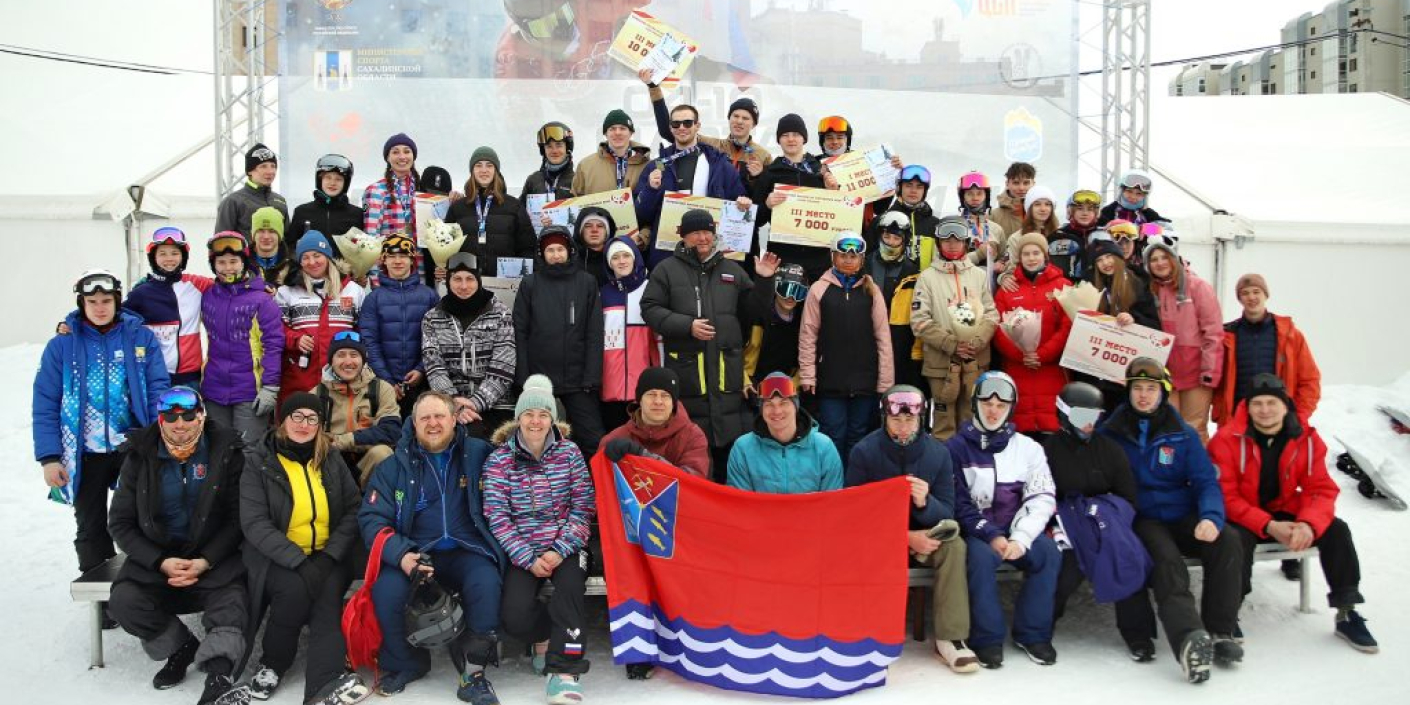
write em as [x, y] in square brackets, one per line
[621, 171]
[482, 209]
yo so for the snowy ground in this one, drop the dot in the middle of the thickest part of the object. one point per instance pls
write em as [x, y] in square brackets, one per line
[1292, 657]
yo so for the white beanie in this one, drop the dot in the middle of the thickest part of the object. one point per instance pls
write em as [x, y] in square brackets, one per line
[1038, 193]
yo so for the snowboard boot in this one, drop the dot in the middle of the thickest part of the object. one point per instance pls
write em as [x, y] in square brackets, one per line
[1196, 655]
[174, 671]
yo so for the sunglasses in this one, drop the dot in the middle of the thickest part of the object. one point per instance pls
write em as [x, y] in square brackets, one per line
[172, 415]
[1140, 183]
[790, 289]
[305, 419]
[1085, 198]
[915, 173]
[97, 284]
[352, 335]
[1081, 417]
[777, 387]
[168, 236]
[834, 123]
[178, 398]
[334, 162]
[682, 123]
[550, 133]
[905, 404]
[995, 387]
[974, 180]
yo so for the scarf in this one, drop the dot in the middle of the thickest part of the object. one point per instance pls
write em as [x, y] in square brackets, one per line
[466, 310]
[300, 453]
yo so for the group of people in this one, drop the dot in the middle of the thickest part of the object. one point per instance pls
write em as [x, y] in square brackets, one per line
[446, 431]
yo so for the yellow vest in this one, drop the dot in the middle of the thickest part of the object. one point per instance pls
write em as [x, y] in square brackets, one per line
[308, 523]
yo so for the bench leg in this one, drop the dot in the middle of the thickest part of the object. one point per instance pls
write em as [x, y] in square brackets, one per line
[918, 623]
[96, 648]
[1305, 586]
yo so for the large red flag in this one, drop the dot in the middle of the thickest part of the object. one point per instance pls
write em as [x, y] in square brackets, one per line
[801, 595]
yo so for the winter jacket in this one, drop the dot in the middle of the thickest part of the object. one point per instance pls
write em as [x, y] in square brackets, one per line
[877, 457]
[919, 242]
[898, 286]
[390, 322]
[1037, 405]
[1108, 550]
[773, 342]
[813, 260]
[723, 183]
[1089, 468]
[711, 372]
[170, 307]
[245, 330]
[738, 156]
[679, 442]
[389, 207]
[943, 284]
[599, 172]
[1192, 316]
[535, 505]
[558, 328]
[1113, 211]
[834, 353]
[1002, 484]
[267, 507]
[475, 361]
[307, 313]
[349, 416]
[560, 188]
[1067, 250]
[508, 232]
[1143, 309]
[1008, 214]
[237, 210]
[808, 462]
[1174, 477]
[391, 494]
[628, 344]
[78, 374]
[135, 517]
[594, 262]
[330, 216]
[1295, 366]
[1305, 489]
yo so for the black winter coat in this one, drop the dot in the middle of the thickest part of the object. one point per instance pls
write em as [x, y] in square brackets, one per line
[558, 328]
[536, 183]
[134, 519]
[876, 457]
[508, 233]
[1089, 468]
[814, 260]
[335, 216]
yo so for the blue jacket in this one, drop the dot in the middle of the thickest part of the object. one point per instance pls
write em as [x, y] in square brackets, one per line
[390, 322]
[876, 457]
[808, 463]
[1174, 476]
[724, 183]
[391, 492]
[61, 390]
[1107, 549]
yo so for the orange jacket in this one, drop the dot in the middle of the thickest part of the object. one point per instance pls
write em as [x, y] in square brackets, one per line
[1295, 367]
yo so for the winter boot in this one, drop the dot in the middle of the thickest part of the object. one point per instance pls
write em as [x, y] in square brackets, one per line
[957, 656]
[475, 689]
[175, 669]
[347, 689]
[108, 622]
[264, 682]
[640, 671]
[1227, 651]
[991, 656]
[1351, 627]
[1142, 651]
[221, 691]
[396, 681]
[564, 689]
[1292, 570]
[1196, 655]
[1040, 652]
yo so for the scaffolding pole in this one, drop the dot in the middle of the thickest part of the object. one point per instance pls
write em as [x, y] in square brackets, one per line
[1126, 71]
[244, 30]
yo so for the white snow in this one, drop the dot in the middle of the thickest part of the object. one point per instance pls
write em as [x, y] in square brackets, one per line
[1291, 657]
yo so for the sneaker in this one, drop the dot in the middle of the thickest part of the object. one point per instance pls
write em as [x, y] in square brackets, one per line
[1196, 654]
[1292, 570]
[1041, 652]
[346, 689]
[990, 656]
[220, 690]
[1142, 651]
[175, 669]
[1351, 627]
[263, 683]
[564, 689]
[1227, 651]
[540, 664]
[394, 682]
[957, 656]
[475, 688]
[640, 671]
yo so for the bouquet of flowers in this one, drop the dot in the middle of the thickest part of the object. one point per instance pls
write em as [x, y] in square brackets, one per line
[1024, 328]
[360, 250]
[965, 315]
[442, 240]
[1083, 297]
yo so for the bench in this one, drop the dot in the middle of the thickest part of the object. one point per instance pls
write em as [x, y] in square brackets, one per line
[96, 585]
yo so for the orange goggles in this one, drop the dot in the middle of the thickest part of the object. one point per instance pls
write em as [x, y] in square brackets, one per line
[834, 123]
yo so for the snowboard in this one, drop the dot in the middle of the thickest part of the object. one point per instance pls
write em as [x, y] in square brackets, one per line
[1370, 478]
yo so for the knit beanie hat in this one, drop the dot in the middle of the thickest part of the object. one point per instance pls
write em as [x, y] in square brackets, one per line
[313, 241]
[791, 123]
[1030, 239]
[1269, 384]
[484, 154]
[399, 139]
[1251, 279]
[747, 105]
[399, 244]
[436, 180]
[347, 342]
[1102, 244]
[697, 219]
[618, 246]
[258, 155]
[658, 378]
[617, 116]
[1039, 193]
[537, 394]
[300, 400]
[267, 218]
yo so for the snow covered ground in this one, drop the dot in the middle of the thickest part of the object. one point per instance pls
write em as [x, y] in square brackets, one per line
[1292, 657]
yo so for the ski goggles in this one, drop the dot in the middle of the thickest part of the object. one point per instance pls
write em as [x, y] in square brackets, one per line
[777, 386]
[179, 402]
[903, 404]
[949, 229]
[974, 179]
[834, 123]
[1139, 182]
[1085, 198]
[915, 172]
[993, 385]
[1152, 230]
[1080, 416]
[1123, 230]
[850, 244]
[167, 236]
[554, 133]
[791, 289]
[227, 243]
[101, 283]
[334, 162]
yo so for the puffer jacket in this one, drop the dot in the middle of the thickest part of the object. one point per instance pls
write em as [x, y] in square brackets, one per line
[1294, 365]
[1192, 316]
[1002, 484]
[330, 216]
[1305, 489]
[628, 344]
[809, 462]
[390, 322]
[237, 210]
[245, 332]
[679, 442]
[170, 307]
[475, 361]
[1174, 476]
[1037, 405]
[945, 283]
[350, 418]
[598, 172]
[834, 353]
[508, 232]
[307, 313]
[877, 457]
[535, 505]
[558, 318]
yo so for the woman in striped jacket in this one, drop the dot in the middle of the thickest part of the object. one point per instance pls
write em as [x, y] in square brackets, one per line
[467, 347]
[539, 503]
[316, 304]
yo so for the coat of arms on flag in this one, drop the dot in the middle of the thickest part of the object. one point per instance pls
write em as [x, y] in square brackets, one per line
[801, 595]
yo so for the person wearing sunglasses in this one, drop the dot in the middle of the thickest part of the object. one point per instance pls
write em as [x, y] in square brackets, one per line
[1091, 473]
[1035, 370]
[1179, 513]
[95, 386]
[362, 417]
[774, 317]
[844, 345]
[618, 161]
[896, 274]
[1131, 202]
[390, 321]
[330, 212]
[1012, 203]
[1004, 501]
[903, 448]
[245, 330]
[1189, 310]
[1067, 248]
[495, 223]
[748, 157]
[555, 173]
[169, 301]
[298, 512]
[794, 167]
[176, 514]
[316, 303]
[236, 209]
[785, 453]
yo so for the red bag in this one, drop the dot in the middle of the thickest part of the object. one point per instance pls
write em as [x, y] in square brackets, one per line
[360, 627]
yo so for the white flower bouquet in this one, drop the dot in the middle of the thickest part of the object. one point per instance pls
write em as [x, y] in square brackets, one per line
[442, 240]
[360, 250]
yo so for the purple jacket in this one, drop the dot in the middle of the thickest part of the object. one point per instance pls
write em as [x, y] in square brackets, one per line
[246, 337]
[1002, 484]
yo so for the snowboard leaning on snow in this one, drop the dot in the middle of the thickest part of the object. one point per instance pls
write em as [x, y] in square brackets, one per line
[1372, 480]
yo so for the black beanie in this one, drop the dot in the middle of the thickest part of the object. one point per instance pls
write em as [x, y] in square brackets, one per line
[658, 378]
[1268, 384]
[258, 155]
[300, 400]
[436, 180]
[747, 105]
[347, 343]
[792, 123]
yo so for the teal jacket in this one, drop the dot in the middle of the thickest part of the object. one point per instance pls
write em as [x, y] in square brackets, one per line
[808, 463]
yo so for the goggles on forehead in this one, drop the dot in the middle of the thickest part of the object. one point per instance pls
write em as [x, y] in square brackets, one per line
[915, 172]
[96, 284]
[1085, 198]
[1137, 181]
[227, 245]
[834, 123]
[1123, 230]
[168, 236]
[854, 245]
[184, 398]
[791, 289]
[777, 386]
[904, 404]
[995, 387]
[1152, 229]
[973, 179]
[1080, 416]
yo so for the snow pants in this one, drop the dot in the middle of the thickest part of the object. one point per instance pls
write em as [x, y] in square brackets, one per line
[560, 622]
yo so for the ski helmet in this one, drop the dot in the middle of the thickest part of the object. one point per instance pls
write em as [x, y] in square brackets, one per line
[1136, 179]
[834, 123]
[97, 281]
[973, 180]
[555, 132]
[989, 385]
[229, 242]
[953, 227]
[168, 236]
[335, 163]
[1079, 405]
[434, 617]
[1146, 368]
[904, 399]
[917, 173]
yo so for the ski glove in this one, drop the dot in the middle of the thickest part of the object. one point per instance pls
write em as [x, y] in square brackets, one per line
[618, 447]
[265, 400]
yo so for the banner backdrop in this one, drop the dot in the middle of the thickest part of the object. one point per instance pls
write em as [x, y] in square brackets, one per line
[954, 85]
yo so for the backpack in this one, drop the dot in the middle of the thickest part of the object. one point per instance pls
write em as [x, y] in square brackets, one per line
[374, 393]
[360, 627]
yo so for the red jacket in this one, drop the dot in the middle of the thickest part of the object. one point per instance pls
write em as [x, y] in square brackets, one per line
[1038, 389]
[680, 442]
[1295, 367]
[1306, 490]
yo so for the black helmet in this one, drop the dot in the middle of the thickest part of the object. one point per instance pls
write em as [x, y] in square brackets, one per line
[1078, 404]
[555, 131]
[334, 163]
[434, 617]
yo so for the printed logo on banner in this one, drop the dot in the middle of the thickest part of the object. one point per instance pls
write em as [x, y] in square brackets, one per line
[332, 70]
[1002, 8]
[1023, 136]
[1020, 65]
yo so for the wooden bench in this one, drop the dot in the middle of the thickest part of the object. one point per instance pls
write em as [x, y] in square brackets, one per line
[96, 586]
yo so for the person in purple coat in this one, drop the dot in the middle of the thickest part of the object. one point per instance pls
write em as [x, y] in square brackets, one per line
[246, 337]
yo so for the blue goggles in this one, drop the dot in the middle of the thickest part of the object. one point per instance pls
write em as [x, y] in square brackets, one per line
[183, 398]
[915, 172]
[790, 289]
[352, 335]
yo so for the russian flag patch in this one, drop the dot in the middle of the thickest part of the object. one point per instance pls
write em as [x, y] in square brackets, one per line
[570, 649]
